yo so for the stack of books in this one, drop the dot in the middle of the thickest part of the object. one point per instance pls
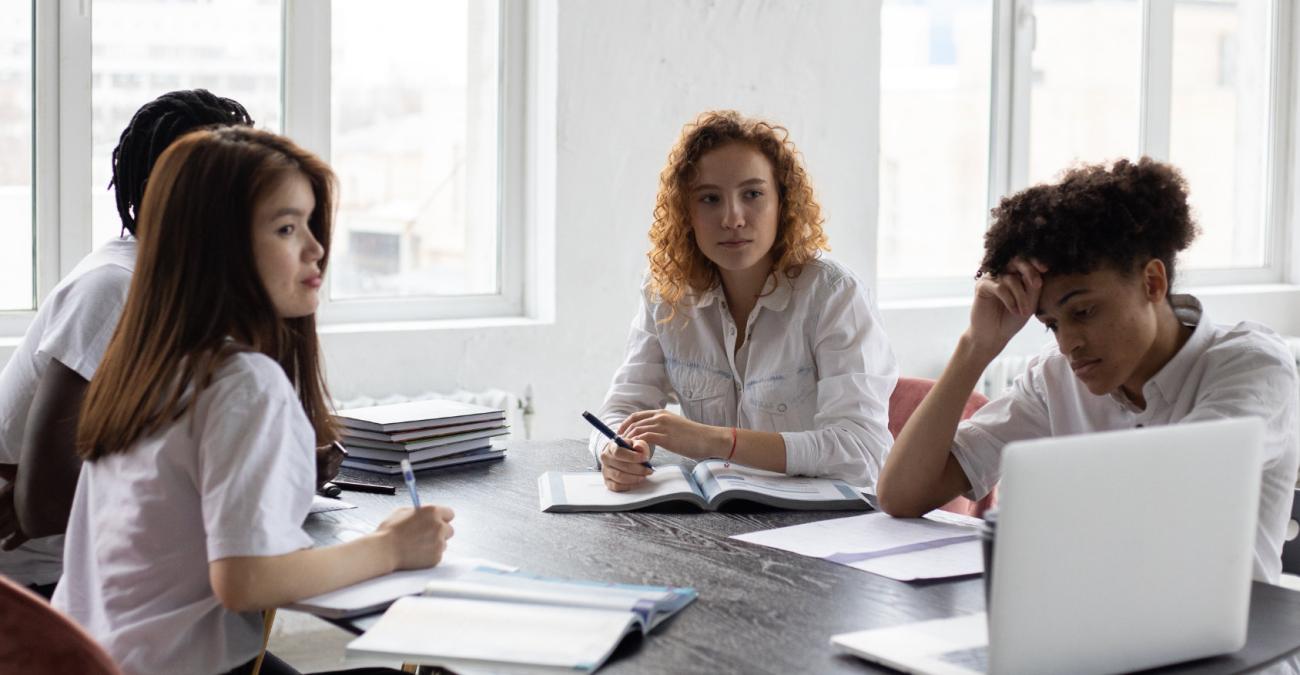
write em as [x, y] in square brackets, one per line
[431, 434]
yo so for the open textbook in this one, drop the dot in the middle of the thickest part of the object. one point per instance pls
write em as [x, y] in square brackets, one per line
[502, 620]
[373, 595]
[709, 485]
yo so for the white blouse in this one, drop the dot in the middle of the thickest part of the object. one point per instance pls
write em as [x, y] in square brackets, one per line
[234, 476]
[815, 367]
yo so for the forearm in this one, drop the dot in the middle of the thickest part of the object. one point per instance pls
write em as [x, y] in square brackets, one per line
[759, 449]
[917, 475]
[257, 583]
[47, 481]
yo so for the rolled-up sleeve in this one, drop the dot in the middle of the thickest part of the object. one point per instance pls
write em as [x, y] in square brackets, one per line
[856, 373]
[641, 383]
[1019, 414]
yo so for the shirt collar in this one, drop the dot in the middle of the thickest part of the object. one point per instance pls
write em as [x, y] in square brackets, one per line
[775, 299]
[1169, 380]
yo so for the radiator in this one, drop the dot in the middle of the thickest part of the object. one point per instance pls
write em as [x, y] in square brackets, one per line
[1002, 373]
[519, 410]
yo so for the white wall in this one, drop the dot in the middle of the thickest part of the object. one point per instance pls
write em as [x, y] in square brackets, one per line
[630, 74]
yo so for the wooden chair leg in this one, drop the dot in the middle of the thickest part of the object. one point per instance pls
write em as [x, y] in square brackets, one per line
[268, 620]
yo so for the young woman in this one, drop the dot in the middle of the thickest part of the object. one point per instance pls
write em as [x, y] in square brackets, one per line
[1093, 258]
[42, 385]
[775, 353]
[198, 429]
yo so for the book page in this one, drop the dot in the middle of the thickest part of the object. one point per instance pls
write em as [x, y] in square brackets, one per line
[428, 630]
[715, 477]
[374, 594]
[520, 587]
[587, 488]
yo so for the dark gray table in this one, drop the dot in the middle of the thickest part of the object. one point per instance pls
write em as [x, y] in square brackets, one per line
[759, 609]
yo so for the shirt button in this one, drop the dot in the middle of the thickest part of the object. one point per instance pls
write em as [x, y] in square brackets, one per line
[731, 330]
[781, 408]
[688, 393]
[737, 386]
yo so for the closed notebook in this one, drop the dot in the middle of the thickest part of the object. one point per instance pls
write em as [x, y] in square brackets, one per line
[423, 443]
[366, 451]
[415, 415]
[483, 454]
[421, 434]
[515, 621]
[709, 485]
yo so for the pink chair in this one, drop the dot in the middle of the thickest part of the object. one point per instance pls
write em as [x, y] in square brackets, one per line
[907, 395]
[39, 639]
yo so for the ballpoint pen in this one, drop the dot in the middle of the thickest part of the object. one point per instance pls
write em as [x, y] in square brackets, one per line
[609, 433]
[409, 476]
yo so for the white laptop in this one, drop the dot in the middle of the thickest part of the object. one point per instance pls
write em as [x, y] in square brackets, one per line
[1113, 552]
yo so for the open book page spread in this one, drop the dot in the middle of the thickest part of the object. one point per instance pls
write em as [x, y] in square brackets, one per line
[715, 476]
[437, 630]
[588, 488]
[375, 594]
[864, 542]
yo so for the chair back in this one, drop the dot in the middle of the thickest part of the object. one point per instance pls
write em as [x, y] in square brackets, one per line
[39, 639]
[908, 394]
[1291, 543]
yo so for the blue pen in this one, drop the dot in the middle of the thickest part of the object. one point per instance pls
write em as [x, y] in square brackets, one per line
[409, 476]
[609, 433]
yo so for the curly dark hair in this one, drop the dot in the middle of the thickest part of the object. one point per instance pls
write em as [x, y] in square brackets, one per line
[1118, 216]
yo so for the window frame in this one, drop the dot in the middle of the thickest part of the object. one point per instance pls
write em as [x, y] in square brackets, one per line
[62, 107]
[1008, 143]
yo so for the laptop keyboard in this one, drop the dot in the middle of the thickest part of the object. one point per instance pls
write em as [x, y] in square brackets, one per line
[975, 658]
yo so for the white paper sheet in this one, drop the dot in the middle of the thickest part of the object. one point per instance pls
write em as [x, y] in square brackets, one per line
[899, 548]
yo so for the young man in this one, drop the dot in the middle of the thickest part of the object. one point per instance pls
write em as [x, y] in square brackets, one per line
[42, 385]
[1092, 257]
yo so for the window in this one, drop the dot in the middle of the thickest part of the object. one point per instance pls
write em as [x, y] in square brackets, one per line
[981, 98]
[17, 255]
[934, 120]
[414, 141]
[144, 48]
[427, 111]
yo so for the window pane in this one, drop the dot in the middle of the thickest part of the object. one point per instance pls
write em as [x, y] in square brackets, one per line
[415, 146]
[1087, 72]
[934, 126]
[1219, 126]
[17, 253]
[145, 48]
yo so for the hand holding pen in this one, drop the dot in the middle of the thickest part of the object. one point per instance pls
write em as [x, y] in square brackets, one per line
[418, 536]
[623, 464]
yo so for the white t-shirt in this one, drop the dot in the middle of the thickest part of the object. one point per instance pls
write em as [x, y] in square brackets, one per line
[1222, 371]
[73, 326]
[816, 367]
[232, 477]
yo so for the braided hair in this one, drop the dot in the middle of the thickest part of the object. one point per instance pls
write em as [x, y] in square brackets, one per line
[152, 129]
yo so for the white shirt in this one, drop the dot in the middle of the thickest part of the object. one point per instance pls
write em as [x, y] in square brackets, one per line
[1221, 372]
[232, 477]
[73, 326]
[816, 367]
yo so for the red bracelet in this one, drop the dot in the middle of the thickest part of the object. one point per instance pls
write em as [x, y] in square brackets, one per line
[727, 462]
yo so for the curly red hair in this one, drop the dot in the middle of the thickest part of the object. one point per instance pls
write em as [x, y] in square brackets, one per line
[677, 265]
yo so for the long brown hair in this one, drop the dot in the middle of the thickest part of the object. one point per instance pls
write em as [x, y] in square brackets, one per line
[196, 296]
[677, 265]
